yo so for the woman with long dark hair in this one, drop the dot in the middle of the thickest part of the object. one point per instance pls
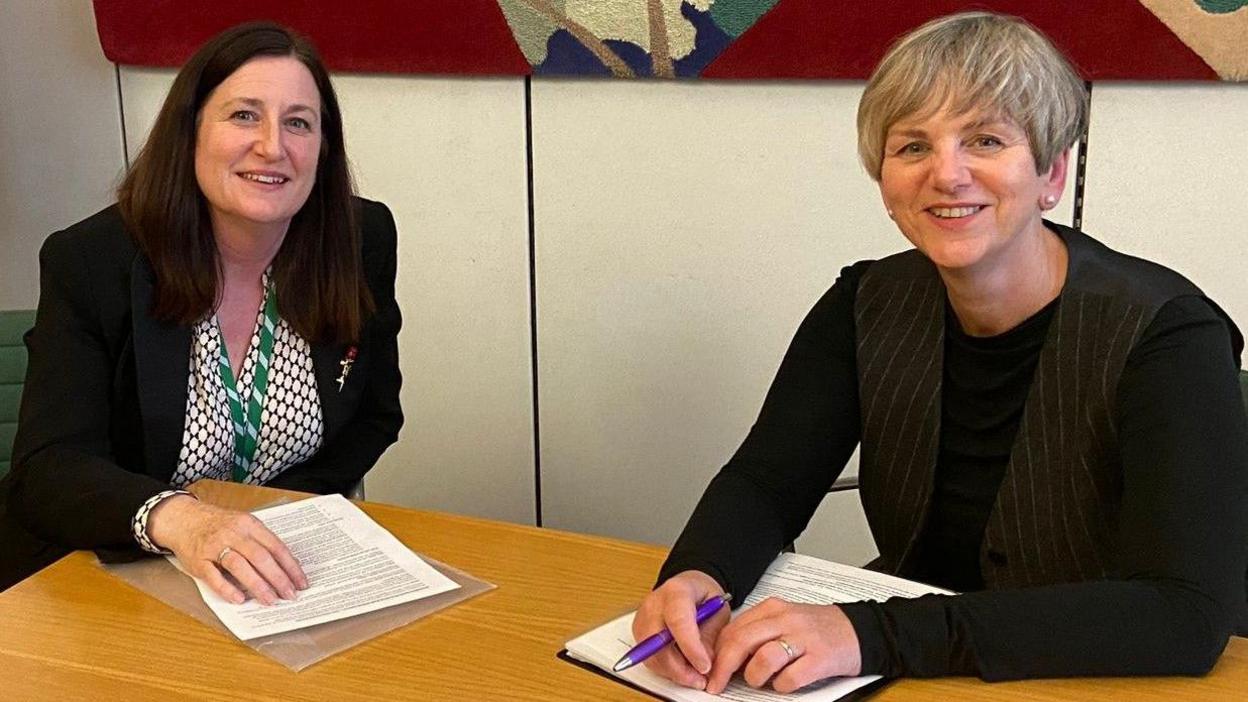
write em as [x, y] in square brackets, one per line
[231, 317]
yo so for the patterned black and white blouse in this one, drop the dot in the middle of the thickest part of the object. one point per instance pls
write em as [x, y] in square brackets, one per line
[291, 428]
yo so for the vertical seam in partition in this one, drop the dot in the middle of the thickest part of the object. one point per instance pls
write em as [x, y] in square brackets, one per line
[1081, 168]
[537, 434]
[121, 114]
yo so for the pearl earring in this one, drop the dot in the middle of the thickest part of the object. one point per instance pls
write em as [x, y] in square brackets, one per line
[1050, 200]
[890, 214]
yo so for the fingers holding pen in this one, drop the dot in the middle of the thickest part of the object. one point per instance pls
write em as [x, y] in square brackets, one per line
[669, 662]
[674, 606]
[681, 619]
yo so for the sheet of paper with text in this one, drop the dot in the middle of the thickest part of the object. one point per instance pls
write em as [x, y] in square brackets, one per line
[353, 566]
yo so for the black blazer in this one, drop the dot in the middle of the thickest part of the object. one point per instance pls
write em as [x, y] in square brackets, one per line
[104, 402]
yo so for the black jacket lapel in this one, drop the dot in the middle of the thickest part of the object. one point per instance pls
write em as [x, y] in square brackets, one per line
[162, 355]
[326, 362]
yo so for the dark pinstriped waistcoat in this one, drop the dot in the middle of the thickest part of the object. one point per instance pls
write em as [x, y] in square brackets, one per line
[1057, 509]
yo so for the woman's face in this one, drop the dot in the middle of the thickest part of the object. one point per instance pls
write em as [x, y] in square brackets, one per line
[962, 188]
[258, 143]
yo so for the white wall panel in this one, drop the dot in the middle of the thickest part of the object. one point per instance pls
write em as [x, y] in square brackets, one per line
[1168, 180]
[60, 135]
[447, 156]
[142, 94]
[839, 531]
[683, 232]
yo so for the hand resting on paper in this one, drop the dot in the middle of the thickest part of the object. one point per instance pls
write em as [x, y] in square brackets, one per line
[821, 638]
[674, 605]
[199, 534]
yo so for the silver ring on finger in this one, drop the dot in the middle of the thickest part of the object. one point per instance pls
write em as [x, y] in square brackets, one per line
[788, 649]
[224, 552]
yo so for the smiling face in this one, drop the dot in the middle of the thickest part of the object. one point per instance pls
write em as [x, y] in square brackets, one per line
[964, 188]
[258, 144]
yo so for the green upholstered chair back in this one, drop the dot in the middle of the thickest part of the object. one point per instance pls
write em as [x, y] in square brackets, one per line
[13, 324]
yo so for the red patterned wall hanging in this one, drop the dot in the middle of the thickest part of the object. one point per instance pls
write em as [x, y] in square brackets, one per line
[738, 39]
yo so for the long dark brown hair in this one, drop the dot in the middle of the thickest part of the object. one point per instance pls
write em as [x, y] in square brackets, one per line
[321, 289]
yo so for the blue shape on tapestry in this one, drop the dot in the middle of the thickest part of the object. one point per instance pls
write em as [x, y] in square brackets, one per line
[1221, 7]
[567, 56]
[709, 43]
[636, 57]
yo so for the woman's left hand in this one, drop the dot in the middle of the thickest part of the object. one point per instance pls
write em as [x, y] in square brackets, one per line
[820, 641]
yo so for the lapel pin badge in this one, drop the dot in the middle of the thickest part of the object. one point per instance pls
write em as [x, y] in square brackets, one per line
[346, 363]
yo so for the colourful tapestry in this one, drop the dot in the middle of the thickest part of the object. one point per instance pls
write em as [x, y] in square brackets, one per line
[734, 39]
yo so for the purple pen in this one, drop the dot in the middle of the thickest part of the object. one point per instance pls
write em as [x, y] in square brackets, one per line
[655, 643]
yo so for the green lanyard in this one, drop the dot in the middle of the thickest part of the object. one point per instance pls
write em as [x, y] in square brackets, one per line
[247, 421]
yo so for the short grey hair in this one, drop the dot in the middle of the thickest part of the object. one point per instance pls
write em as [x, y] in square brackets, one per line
[976, 61]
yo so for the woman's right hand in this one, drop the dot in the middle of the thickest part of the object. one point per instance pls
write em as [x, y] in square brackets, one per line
[674, 605]
[199, 534]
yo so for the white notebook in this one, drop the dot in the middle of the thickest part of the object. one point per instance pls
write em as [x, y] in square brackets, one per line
[791, 577]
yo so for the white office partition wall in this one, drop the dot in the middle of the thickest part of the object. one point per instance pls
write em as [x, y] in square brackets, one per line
[1168, 180]
[60, 143]
[143, 92]
[447, 156]
[683, 232]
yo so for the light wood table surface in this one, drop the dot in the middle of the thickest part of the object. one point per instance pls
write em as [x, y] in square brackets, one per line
[74, 632]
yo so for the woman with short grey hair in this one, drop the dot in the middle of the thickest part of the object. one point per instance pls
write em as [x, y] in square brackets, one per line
[1049, 427]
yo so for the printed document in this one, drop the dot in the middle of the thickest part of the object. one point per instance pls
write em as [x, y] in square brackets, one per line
[353, 566]
[791, 577]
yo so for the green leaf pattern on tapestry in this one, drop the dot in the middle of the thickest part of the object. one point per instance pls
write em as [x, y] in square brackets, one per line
[736, 16]
[1221, 7]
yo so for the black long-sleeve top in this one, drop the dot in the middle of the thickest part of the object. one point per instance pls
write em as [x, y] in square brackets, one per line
[1182, 546]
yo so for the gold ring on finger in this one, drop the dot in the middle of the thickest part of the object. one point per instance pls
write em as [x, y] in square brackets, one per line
[788, 650]
[224, 552]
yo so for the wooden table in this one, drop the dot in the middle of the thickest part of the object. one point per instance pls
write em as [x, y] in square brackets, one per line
[74, 632]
